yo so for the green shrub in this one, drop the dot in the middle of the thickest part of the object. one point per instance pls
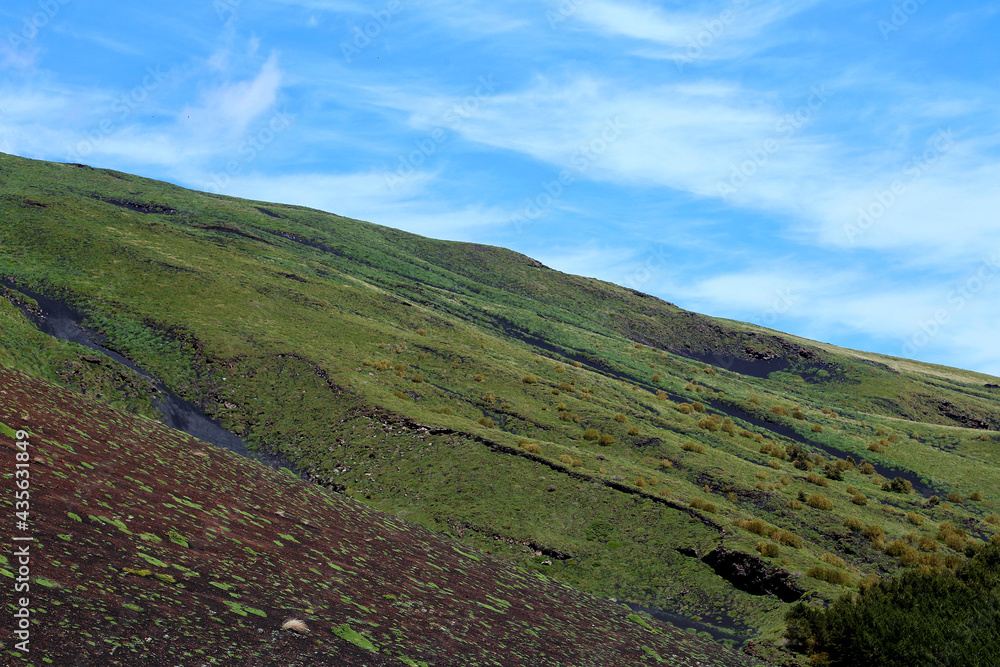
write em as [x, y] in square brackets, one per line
[898, 485]
[486, 421]
[838, 577]
[798, 414]
[955, 497]
[605, 439]
[859, 499]
[698, 407]
[768, 550]
[854, 524]
[693, 447]
[566, 458]
[866, 469]
[532, 448]
[976, 496]
[915, 518]
[529, 379]
[685, 408]
[708, 424]
[817, 428]
[620, 418]
[479, 378]
[591, 434]
[813, 478]
[780, 410]
[830, 559]
[819, 502]
[634, 430]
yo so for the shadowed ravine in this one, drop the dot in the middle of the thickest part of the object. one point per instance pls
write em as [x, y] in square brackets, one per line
[62, 321]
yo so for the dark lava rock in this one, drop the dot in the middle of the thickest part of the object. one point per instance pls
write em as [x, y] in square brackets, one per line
[751, 574]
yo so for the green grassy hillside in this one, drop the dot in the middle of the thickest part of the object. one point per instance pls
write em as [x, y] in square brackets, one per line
[604, 437]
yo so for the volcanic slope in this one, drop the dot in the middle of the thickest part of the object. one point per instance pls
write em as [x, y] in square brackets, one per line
[697, 466]
[153, 548]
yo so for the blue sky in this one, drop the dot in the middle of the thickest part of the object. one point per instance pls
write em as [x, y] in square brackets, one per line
[829, 169]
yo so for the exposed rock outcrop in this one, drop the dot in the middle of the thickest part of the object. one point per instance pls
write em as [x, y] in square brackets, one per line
[751, 574]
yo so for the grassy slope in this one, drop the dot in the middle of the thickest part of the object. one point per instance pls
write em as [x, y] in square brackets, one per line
[326, 338]
[152, 549]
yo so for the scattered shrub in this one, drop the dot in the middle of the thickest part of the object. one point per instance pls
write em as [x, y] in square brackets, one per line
[854, 524]
[565, 386]
[866, 469]
[830, 559]
[565, 458]
[768, 550]
[816, 428]
[837, 577]
[693, 447]
[620, 418]
[417, 377]
[446, 411]
[708, 424]
[486, 421]
[859, 499]
[992, 519]
[479, 378]
[976, 496]
[656, 377]
[532, 448]
[898, 485]
[819, 502]
[754, 400]
[634, 430]
[661, 395]
[421, 332]
[794, 505]
[955, 497]
[798, 414]
[813, 478]
[698, 407]
[399, 394]
[780, 410]
[875, 447]
[685, 408]
[915, 518]
[577, 364]
[605, 439]
[927, 543]
[529, 379]
[874, 532]
[774, 464]
[591, 434]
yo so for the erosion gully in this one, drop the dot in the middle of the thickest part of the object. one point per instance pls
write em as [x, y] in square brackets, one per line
[59, 320]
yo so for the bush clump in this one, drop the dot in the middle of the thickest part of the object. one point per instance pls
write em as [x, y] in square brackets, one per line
[819, 502]
[768, 550]
[529, 379]
[486, 421]
[838, 577]
[605, 439]
[591, 434]
[693, 447]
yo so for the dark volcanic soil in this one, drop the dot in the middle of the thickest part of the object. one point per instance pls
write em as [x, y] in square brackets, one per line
[153, 548]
